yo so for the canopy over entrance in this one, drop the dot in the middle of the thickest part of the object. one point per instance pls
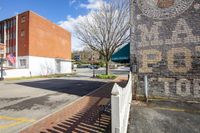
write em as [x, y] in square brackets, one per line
[122, 55]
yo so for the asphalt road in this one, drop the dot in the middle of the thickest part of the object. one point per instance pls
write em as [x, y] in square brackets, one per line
[25, 102]
[87, 72]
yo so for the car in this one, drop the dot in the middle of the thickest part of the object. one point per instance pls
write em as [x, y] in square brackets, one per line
[93, 67]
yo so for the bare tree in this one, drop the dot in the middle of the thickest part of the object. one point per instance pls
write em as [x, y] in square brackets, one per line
[105, 29]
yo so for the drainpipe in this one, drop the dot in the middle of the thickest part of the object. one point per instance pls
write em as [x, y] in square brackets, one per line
[146, 87]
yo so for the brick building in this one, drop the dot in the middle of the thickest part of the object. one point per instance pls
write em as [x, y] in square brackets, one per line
[165, 46]
[39, 46]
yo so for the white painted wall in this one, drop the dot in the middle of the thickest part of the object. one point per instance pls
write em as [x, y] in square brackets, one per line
[66, 67]
[41, 65]
[46, 66]
[38, 66]
[14, 73]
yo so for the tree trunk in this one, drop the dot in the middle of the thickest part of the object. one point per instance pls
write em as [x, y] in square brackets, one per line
[107, 67]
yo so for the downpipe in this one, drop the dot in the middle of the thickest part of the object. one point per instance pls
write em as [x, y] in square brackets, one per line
[146, 87]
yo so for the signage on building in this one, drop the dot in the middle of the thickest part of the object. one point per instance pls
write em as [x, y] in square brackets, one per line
[166, 44]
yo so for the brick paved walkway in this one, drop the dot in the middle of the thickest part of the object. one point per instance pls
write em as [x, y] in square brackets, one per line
[81, 116]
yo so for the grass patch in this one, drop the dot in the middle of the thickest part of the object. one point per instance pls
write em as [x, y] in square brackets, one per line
[104, 76]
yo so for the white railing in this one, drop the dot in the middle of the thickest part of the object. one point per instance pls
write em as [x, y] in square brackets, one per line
[120, 106]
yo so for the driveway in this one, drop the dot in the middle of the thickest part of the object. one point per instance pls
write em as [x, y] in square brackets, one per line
[22, 103]
[164, 117]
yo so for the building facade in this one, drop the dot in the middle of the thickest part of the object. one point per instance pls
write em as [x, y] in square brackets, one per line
[165, 47]
[39, 46]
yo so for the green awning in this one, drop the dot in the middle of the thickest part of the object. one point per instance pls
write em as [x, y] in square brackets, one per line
[122, 55]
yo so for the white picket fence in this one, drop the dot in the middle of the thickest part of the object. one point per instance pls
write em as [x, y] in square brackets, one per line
[120, 106]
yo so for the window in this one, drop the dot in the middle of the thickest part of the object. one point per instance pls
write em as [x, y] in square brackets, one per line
[11, 36]
[23, 19]
[14, 48]
[8, 24]
[23, 63]
[14, 22]
[11, 49]
[11, 23]
[14, 35]
[7, 36]
[7, 49]
[22, 33]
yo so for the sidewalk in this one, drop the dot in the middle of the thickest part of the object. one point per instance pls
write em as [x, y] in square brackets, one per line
[80, 116]
[164, 117]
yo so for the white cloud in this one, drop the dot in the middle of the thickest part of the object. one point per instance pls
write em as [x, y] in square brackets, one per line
[70, 22]
[69, 25]
[71, 2]
[92, 4]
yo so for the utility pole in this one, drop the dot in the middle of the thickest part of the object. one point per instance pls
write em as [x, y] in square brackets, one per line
[93, 65]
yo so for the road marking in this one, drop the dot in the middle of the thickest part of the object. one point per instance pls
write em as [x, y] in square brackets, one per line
[16, 121]
[177, 110]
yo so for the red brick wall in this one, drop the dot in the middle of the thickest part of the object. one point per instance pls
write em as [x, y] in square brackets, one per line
[23, 41]
[46, 39]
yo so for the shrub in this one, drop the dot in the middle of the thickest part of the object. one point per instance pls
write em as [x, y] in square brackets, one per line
[104, 76]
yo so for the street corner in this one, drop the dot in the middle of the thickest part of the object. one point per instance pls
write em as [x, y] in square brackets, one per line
[8, 122]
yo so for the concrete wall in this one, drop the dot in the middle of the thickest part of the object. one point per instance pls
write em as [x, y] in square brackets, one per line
[36, 66]
[165, 38]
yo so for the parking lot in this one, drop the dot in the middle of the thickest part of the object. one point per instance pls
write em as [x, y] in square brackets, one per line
[25, 102]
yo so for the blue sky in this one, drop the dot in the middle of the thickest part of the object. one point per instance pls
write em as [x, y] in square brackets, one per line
[62, 12]
[54, 10]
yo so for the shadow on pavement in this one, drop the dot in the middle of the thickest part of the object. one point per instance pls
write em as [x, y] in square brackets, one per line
[75, 87]
[88, 120]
